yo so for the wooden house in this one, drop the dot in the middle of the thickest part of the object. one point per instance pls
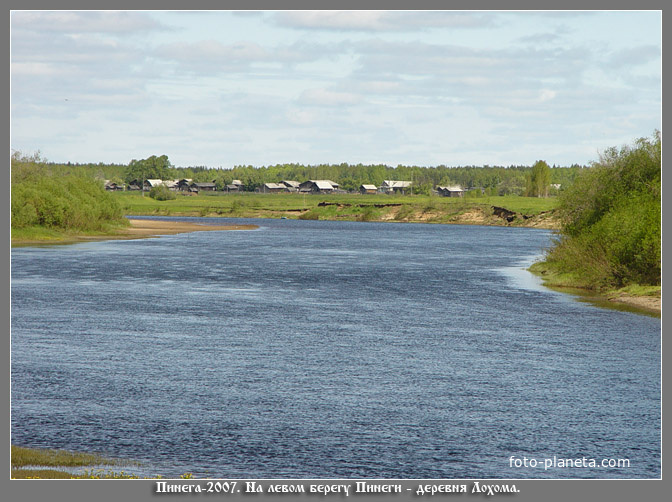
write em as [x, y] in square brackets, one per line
[290, 185]
[272, 188]
[318, 186]
[370, 189]
[205, 187]
[112, 187]
[171, 184]
[450, 191]
[151, 183]
[184, 185]
[396, 186]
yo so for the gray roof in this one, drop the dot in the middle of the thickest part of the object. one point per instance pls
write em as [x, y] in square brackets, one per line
[451, 189]
[323, 185]
[397, 184]
[369, 187]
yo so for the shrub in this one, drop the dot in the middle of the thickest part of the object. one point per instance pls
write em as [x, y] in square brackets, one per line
[611, 229]
[43, 195]
[310, 215]
[162, 192]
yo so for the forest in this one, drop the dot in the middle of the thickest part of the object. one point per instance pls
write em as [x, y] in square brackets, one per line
[496, 180]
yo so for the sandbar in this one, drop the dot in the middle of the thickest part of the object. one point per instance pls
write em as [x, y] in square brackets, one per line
[148, 228]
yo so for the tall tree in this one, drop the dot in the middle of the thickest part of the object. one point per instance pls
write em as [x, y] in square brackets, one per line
[150, 168]
[539, 180]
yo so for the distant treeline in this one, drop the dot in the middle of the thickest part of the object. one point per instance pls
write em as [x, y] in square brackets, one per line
[60, 198]
[611, 220]
[511, 180]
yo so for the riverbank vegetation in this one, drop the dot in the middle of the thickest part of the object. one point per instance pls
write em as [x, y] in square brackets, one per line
[472, 209]
[51, 202]
[34, 463]
[37, 463]
[610, 225]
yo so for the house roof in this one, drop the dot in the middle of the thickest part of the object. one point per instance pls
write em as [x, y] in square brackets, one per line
[155, 182]
[203, 184]
[274, 185]
[291, 183]
[397, 184]
[451, 189]
[369, 187]
[323, 184]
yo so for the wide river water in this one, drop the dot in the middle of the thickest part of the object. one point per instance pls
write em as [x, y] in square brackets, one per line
[319, 349]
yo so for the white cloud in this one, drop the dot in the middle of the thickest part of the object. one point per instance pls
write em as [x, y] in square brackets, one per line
[113, 22]
[326, 97]
[413, 87]
[381, 20]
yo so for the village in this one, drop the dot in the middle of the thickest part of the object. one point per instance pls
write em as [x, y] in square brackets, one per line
[188, 186]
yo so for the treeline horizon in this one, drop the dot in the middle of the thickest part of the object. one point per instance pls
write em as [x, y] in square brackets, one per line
[507, 180]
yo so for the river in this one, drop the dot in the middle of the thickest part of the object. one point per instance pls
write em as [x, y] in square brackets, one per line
[321, 349]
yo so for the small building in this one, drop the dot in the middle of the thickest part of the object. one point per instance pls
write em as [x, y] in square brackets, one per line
[234, 186]
[396, 186]
[318, 186]
[171, 184]
[450, 191]
[151, 183]
[205, 187]
[272, 188]
[364, 189]
[134, 185]
[290, 185]
[110, 186]
[184, 185]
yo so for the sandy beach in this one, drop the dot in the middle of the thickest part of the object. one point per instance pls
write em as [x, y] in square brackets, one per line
[138, 229]
[149, 228]
[650, 303]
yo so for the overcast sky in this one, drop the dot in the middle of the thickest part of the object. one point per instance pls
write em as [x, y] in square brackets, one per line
[420, 88]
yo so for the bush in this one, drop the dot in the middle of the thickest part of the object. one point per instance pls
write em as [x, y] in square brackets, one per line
[162, 192]
[45, 196]
[611, 229]
[310, 215]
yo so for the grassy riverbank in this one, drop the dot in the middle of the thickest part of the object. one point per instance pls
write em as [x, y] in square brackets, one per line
[37, 463]
[645, 298]
[609, 240]
[497, 211]
[33, 463]
[500, 211]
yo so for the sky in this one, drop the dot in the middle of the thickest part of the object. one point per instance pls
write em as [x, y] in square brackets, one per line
[424, 88]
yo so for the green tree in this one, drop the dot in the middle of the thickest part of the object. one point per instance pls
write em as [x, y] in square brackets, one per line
[539, 180]
[150, 168]
[611, 226]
